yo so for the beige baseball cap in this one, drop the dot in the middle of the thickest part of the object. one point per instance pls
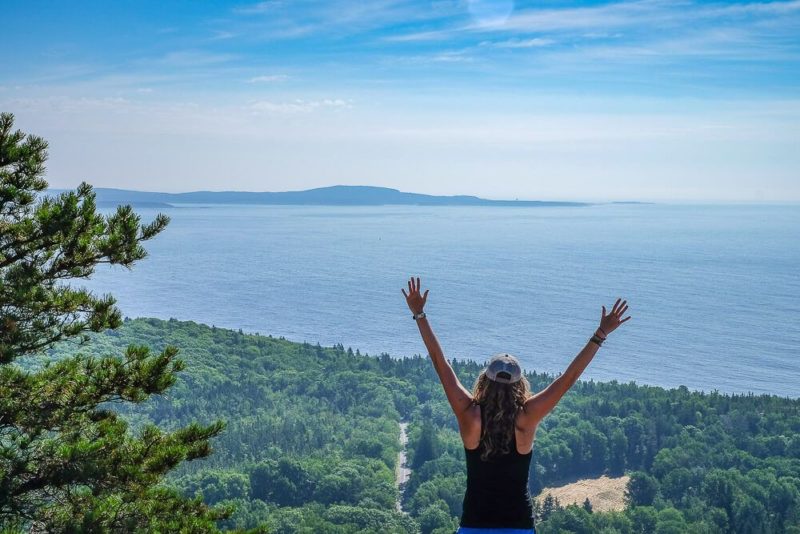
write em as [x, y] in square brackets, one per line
[504, 368]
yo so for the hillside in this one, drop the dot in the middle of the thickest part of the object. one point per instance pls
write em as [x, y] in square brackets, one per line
[337, 195]
[605, 494]
[312, 441]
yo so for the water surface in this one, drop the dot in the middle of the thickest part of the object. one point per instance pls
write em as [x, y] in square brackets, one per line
[713, 290]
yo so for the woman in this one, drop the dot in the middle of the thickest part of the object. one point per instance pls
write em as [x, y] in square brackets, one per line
[498, 422]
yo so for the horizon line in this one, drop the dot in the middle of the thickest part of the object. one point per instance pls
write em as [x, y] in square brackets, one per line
[678, 201]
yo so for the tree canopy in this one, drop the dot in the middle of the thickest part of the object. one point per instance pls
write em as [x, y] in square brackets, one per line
[68, 461]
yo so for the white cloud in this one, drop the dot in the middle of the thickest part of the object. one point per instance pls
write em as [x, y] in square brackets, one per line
[445, 56]
[221, 35]
[451, 56]
[195, 58]
[519, 43]
[287, 20]
[432, 35]
[599, 20]
[270, 78]
[259, 7]
[299, 105]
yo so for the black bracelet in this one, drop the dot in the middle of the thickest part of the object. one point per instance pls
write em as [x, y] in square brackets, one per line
[598, 335]
[597, 339]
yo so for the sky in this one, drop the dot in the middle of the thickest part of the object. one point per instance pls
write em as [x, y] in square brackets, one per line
[631, 100]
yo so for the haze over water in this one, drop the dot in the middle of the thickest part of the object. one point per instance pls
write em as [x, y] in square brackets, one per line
[713, 289]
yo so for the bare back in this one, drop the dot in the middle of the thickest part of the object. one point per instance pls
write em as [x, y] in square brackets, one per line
[470, 428]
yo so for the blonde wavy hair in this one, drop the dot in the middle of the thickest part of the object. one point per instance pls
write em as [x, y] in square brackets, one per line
[499, 406]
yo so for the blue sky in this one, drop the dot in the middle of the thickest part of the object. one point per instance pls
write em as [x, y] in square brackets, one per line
[630, 100]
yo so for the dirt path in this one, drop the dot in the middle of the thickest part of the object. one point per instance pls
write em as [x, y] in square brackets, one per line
[402, 472]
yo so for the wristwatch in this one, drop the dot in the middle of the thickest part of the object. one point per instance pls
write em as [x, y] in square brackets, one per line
[419, 315]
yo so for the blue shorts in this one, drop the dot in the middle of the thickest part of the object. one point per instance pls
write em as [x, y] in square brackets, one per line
[471, 530]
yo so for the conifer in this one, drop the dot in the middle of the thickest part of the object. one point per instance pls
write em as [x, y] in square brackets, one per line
[68, 461]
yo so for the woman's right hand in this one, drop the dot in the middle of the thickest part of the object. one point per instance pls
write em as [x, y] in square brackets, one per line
[610, 322]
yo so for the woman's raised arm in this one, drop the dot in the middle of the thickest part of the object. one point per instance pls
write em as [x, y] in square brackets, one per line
[542, 403]
[458, 396]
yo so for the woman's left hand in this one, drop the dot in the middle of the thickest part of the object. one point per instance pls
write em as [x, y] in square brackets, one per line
[415, 301]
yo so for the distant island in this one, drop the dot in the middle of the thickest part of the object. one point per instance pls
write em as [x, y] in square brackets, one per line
[337, 195]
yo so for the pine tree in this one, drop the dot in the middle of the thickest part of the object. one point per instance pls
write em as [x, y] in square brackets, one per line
[587, 505]
[68, 462]
[427, 446]
[549, 505]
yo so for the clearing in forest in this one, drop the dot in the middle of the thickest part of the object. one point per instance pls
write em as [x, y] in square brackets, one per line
[604, 493]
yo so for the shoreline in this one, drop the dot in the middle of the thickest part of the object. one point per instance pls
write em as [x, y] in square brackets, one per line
[711, 391]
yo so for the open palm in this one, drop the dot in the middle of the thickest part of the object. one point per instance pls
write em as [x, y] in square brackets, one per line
[610, 322]
[415, 301]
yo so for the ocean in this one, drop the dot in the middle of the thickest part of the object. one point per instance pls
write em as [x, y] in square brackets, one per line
[713, 290]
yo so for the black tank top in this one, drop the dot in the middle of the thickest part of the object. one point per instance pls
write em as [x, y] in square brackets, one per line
[497, 493]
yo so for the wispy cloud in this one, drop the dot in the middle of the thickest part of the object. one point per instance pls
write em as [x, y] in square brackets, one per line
[602, 19]
[287, 20]
[259, 7]
[625, 41]
[221, 35]
[339, 41]
[423, 36]
[462, 56]
[604, 16]
[269, 78]
[450, 56]
[595, 85]
[299, 105]
[519, 43]
[195, 58]
[704, 44]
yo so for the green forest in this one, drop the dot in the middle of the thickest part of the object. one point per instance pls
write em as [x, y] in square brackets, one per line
[311, 440]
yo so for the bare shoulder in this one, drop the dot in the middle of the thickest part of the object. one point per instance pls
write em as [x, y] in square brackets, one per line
[530, 415]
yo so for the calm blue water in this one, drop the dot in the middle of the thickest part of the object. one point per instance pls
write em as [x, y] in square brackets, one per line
[714, 291]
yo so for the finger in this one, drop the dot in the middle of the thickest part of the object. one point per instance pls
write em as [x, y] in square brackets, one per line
[622, 310]
[625, 319]
[604, 311]
[425, 296]
[614, 309]
[404, 292]
[410, 288]
[418, 284]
